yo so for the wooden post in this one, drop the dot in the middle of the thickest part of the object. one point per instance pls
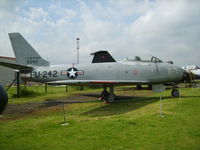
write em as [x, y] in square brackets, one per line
[46, 87]
[66, 89]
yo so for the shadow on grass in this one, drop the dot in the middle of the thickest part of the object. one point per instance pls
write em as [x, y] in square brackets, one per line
[118, 98]
[50, 103]
[190, 96]
[123, 105]
[126, 104]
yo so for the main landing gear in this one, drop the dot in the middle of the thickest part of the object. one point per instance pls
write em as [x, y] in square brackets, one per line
[106, 96]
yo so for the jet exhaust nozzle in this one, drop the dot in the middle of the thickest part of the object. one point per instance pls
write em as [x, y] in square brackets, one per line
[3, 99]
[26, 76]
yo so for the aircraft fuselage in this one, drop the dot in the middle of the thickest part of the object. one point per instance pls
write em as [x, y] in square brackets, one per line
[125, 72]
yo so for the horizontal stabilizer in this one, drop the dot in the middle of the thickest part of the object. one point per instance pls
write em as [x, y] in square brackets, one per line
[16, 66]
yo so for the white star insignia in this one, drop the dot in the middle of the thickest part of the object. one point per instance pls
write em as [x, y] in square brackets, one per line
[72, 73]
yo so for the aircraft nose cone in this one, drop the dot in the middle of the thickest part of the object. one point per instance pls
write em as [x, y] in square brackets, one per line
[3, 99]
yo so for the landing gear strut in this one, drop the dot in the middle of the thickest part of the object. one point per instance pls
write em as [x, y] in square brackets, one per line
[106, 96]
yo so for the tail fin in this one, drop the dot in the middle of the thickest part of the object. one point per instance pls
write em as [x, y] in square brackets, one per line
[24, 52]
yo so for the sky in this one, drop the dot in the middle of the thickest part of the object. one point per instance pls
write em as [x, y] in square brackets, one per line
[169, 30]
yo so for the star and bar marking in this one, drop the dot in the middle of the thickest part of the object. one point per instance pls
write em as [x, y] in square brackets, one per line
[72, 72]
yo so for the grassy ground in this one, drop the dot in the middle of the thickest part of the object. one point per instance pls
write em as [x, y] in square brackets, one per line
[131, 124]
[37, 94]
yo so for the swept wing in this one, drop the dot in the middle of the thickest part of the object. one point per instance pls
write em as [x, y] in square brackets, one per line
[90, 82]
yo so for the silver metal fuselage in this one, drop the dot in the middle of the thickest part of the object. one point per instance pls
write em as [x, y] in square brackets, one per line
[126, 72]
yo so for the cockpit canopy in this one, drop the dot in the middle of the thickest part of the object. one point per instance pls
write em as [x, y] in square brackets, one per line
[145, 58]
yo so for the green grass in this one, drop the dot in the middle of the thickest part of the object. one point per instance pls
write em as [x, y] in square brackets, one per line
[37, 94]
[125, 125]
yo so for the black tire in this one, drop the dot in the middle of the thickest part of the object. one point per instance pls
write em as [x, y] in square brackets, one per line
[175, 93]
[105, 94]
[3, 99]
[109, 99]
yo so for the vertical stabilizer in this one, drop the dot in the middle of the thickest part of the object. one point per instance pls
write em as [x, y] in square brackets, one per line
[24, 52]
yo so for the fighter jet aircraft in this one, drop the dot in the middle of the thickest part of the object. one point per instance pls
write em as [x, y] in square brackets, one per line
[104, 70]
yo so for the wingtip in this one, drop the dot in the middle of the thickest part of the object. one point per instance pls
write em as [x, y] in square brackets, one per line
[13, 34]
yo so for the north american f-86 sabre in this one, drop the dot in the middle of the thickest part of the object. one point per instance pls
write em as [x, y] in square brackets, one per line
[104, 70]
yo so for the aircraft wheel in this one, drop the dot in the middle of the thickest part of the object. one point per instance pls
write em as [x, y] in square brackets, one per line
[3, 99]
[105, 94]
[111, 98]
[175, 93]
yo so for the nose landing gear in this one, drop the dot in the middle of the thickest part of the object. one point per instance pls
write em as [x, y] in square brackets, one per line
[175, 92]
